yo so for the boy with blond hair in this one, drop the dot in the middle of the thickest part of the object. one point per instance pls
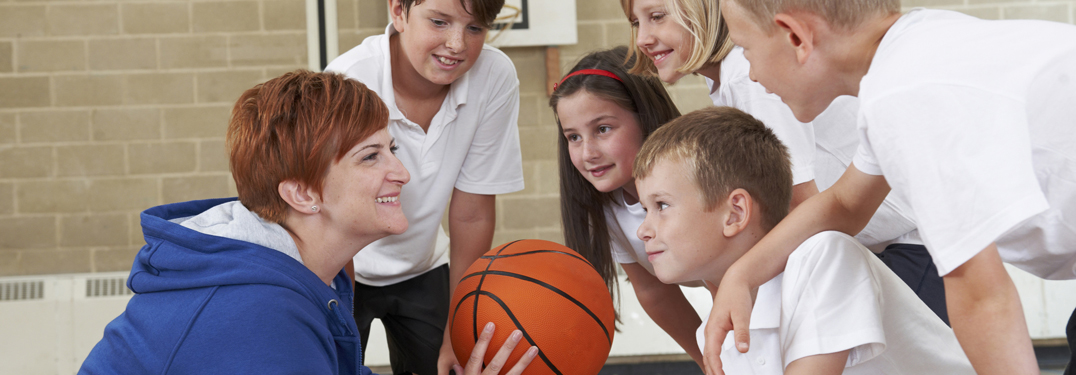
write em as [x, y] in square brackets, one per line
[970, 120]
[453, 106]
[713, 182]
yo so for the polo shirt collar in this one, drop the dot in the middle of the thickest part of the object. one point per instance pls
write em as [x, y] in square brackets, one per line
[457, 92]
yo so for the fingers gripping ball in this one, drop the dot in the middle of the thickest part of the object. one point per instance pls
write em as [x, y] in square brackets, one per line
[547, 291]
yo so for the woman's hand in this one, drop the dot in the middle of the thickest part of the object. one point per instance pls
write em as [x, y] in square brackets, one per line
[474, 363]
[731, 311]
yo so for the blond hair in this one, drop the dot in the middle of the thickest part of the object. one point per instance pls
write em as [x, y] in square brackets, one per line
[844, 14]
[725, 149]
[702, 20]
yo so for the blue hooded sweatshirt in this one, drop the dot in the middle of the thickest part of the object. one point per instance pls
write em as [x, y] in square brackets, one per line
[211, 304]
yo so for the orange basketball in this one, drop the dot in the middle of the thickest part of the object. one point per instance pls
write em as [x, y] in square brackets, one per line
[547, 291]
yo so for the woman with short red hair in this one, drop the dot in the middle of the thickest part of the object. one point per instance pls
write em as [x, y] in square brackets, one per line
[257, 285]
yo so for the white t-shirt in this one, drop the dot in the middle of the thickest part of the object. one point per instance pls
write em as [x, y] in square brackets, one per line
[820, 150]
[835, 295]
[472, 145]
[974, 123]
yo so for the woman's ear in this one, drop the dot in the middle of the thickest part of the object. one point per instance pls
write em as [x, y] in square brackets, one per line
[300, 197]
[738, 216]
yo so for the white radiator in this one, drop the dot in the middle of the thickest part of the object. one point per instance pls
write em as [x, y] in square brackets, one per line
[48, 324]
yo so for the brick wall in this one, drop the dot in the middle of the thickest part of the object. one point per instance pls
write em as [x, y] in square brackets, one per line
[110, 107]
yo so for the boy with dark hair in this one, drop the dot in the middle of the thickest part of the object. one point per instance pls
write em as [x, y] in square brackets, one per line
[453, 105]
[970, 121]
[715, 181]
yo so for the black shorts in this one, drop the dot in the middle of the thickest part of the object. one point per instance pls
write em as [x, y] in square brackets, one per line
[913, 264]
[414, 313]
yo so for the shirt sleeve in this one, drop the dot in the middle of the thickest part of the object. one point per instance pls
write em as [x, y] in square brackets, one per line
[752, 98]
[962, 158]
[494, 162]
[830, 301]
[618, 241]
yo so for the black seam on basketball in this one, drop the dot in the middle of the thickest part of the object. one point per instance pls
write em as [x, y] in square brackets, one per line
[474, 314]
[573, 255]
[519, 326]
[554, 290]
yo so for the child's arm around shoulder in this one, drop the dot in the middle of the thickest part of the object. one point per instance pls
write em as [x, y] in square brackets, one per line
[847, 206]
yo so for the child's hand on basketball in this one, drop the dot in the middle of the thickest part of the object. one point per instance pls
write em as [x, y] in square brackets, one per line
[474, 363]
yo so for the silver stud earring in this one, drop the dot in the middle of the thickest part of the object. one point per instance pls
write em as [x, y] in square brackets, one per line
[314, 208]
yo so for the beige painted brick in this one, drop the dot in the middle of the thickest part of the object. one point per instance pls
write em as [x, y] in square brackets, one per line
[160, 88]
[212, 156]
[529, 105]
[124, 124]
[548, 177]
[27, 232]
[134, 232]
[25, 162]
[54, 126]
[24, 92]
[1056, 13]
[225, 87]
[977, 2]
[530, 67]
[8, 133]
[531, 213]
[9, 263]
[7, 199]
[114, 260]
[588, 10]
[156, 18]
[554, 235]
[63, 196]
[223, 16]
[346, 14]
[7, 57]
[183, 189]
[199, 51]
[52, 56]
[121, 194]
[270, 49]
[986, 13]
[22, 20]
[196, 122]
[350, 39]
[291, 15]
[617, 34]
[373, 14]
[90, 160]
[167, 157]
[88, 90]
[123, 54]
[503, 236]
[81, 20]
[48, 262]
[538, 143]
[93, 230]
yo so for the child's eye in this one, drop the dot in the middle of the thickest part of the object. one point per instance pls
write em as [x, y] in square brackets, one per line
[657, 16]
[662, 206]
[635, 24]
[604, 129]
[437, 22]
[572, 137]
[476, 29]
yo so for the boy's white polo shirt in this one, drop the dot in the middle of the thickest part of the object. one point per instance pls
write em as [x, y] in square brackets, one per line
[973, 122]
[472, 145]
[820, 150]
[835, 295]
